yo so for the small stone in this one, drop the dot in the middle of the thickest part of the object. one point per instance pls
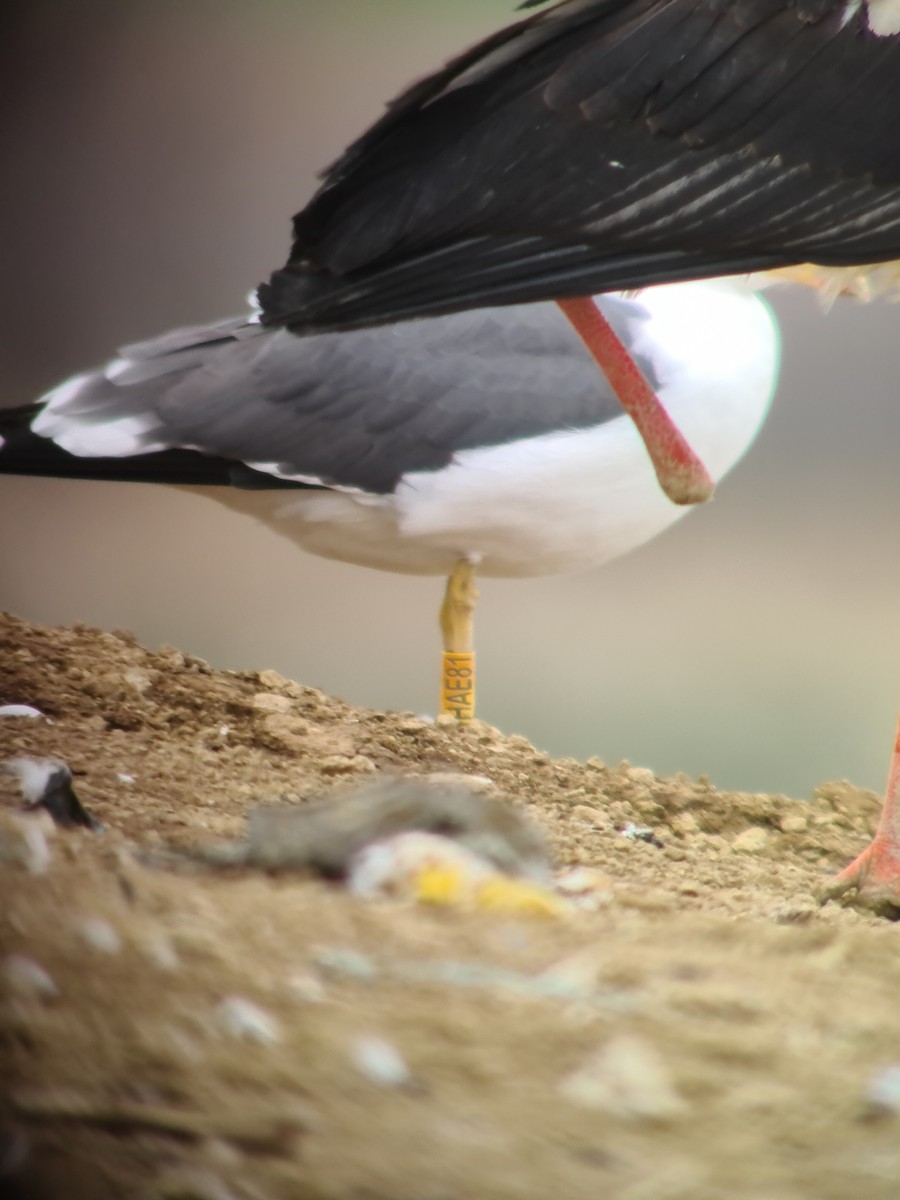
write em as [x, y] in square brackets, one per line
[752, 841]
[641, 775]
[172, 658]
[381, 1062]
[583, 881]
[285, 731]
[577, 974]
[270, 702]
[479, 784]
[274, 681]
[307, 987]
[792, 824]
[626, 1078]
[591, 816]
[684, 823]
[797, 911]
[28, 977]
[342, 764]
[641, 833]
[246, 1020]
[346, 962]
[100, 935]
[160, 951]
[411, 725]
[23, 840]
[138, 679]
[883, 1091]
[20, 710]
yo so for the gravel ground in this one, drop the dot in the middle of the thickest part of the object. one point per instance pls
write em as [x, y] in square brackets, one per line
[681, 1020]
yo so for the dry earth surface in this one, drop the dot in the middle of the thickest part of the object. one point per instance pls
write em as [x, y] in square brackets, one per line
[693, 1027]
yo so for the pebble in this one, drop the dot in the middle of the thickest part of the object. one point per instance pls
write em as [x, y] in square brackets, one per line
[346, 962]
[684, 822]
[159, 950]
[274, 681]
[99, 935]
[246, 1020]
[342, 764]
[28, 977]
[139, 679]
[641, 775]
[799, 910]
[626, 1078]
[19, 710]
[752, 841]
[793, 824]
[883, 1091]
[592, 816]
[307, 988]
[589, 888]
[380, 1061]
[270, 702]
[23, 840]
[411, 725]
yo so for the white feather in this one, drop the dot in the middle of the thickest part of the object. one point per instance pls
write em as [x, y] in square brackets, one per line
[563, 501]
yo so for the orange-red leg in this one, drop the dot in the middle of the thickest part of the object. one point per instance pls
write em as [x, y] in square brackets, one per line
[681, 474]
[875, 874]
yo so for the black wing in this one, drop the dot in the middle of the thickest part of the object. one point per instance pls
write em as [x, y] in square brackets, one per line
[607, 144]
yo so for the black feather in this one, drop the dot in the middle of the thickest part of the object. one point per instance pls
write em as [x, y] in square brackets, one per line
[602, 145]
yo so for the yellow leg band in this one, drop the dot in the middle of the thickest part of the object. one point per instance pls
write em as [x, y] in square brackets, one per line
[458, 684]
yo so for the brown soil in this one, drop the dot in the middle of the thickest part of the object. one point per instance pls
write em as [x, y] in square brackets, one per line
[697, 1028]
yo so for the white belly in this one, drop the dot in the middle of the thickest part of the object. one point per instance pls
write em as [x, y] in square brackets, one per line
[565, 501]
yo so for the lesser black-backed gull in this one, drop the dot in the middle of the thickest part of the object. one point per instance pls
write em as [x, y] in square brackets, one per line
[479, 442]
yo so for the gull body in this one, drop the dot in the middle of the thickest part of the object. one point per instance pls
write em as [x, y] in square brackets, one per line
[413, 447]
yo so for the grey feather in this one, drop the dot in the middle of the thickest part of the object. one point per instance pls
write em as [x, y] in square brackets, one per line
[357, 409]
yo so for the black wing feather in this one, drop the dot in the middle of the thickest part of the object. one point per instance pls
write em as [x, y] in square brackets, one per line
[604, 145]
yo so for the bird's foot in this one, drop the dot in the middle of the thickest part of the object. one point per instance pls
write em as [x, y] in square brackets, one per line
[872, 880]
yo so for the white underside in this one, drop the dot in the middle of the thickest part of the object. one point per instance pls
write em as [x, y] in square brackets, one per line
[882, 16]
[566, 501]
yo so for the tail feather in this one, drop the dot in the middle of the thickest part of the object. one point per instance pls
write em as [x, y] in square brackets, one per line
[23, 452]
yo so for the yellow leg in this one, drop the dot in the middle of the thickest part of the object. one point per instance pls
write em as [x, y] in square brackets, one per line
[457, 619]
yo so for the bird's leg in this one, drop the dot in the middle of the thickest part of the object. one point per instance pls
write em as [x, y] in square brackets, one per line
[681, 474]
[875, 874]
[458, 670]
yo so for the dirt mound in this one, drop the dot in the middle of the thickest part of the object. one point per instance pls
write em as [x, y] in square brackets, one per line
[696, 1026]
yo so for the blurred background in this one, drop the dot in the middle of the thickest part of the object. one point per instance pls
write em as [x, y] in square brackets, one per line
[152, 154]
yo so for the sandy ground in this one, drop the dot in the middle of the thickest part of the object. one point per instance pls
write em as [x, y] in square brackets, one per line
[693, 1026]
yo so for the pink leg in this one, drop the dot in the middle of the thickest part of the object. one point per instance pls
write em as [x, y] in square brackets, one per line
[681, 474]
[875, 874]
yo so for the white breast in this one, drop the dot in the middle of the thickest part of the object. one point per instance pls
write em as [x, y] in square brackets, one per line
[882, 16]
[564, 501]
